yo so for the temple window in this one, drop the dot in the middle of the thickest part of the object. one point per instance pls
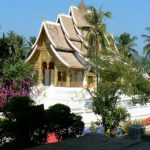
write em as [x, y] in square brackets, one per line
[73, 76]
[44, 65]
[51, 65]
[64, 76]
[59, 76]
[79, 76]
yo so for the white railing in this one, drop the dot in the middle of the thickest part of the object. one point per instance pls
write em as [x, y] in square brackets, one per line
[78, 98]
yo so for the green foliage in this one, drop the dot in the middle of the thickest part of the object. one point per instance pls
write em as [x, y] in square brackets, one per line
[125, 125]
[18, 103]
[64, 123]
[4, 48]
[15, 75]
[146, 49]
[115, 76]
[22, 120]
[126, 43]
[12, 54]
[16, 70]
[30, 44]
[58, 114]
[96, 31]
[145, 66]
[16, 46]
[94, 126]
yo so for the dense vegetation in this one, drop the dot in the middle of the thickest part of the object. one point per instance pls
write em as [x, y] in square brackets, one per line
[27, 125]
[116, 68]
[15, 76]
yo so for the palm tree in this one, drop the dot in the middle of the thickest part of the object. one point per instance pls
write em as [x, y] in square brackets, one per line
[30, 43]
[17, 44]
[146, 49]
[126, 43]
[96, 31]
[95, 40]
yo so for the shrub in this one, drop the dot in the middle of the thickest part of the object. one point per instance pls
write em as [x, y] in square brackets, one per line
[127, 124]
[63, 122]
[94, 126]
[22, 120]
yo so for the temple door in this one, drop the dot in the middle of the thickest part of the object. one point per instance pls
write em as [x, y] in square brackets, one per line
[90, 82]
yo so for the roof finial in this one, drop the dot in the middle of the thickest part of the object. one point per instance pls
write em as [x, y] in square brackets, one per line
[43, 19]
[71, 4]
[58, 11]
[82, 6]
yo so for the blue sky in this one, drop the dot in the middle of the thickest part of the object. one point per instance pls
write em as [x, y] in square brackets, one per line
[25, 16]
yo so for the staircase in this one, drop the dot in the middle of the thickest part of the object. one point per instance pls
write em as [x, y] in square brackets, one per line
[75, 98]
[78, 99]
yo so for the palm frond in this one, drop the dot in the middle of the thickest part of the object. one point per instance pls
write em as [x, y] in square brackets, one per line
[147, 29]
[85, 28]
[145, 36]
[146, 49]
[133, 51]
[108, 15]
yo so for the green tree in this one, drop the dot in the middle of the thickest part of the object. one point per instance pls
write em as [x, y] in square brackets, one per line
[17, 44]
[95, 38]
[30, 43]
[13, 45]
[105, 98]
[112, 69]
[16, 70]
[126, 43]
[146, 49]
[23, 118]
[15, 76]
[117, 76]
[4, 48]
[4, 52]
[63, 122]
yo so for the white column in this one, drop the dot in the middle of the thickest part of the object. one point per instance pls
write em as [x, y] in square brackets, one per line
[46, 81]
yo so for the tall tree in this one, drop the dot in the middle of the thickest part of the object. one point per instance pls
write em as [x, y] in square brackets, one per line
[117, 77]
[126, 43]
[15, 76]
[30, 43]
[96, 31]
[17, 44]
[146, 49]
[95, 40]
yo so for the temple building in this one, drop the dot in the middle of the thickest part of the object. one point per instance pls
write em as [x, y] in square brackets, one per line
[58, 54]
[59, 61]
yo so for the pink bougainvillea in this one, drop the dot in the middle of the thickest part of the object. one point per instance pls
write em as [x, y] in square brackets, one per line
[14, 88]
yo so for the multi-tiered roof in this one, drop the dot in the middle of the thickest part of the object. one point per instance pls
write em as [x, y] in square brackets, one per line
[65, 38]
